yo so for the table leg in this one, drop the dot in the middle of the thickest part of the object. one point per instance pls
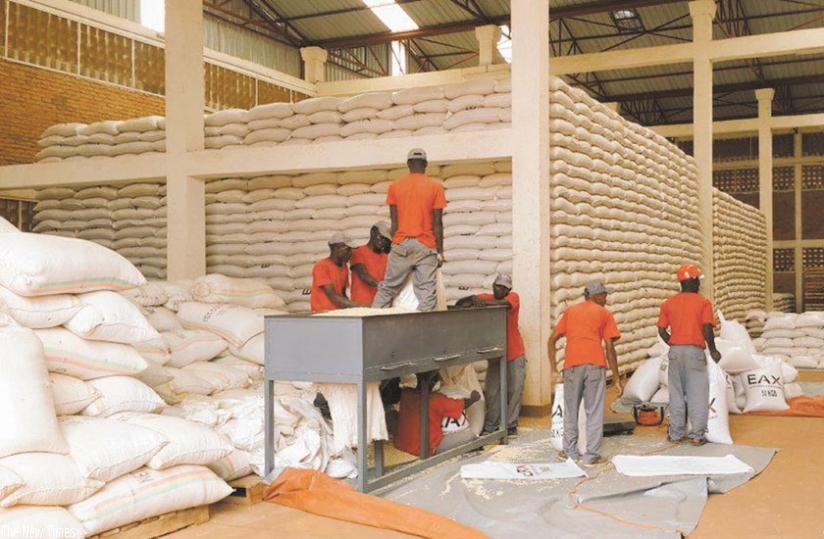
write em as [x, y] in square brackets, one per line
[378, 458]
[504, 386]
[269, 426]
[363, 439]
[424, 380]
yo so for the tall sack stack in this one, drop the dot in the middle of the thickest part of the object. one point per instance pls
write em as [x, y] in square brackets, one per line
[225, 128]
[623, 210]
[129, 219]
[739, 256]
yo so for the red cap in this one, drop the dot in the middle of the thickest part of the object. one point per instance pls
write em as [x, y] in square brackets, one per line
[689, 271]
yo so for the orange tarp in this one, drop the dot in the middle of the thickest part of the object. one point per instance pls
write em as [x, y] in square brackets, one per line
[317, 493]
[800, 407]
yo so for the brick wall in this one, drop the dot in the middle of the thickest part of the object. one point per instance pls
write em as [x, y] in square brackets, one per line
[32, 99]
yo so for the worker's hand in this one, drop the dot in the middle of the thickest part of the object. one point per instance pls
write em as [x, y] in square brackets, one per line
[620, 386]
[715, 355]
[475, 396]
[557, 377]
[441, 259]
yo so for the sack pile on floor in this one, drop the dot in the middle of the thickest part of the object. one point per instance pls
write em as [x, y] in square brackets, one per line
[470, 106]
[122, 399]
[743, 381]
[796, 338]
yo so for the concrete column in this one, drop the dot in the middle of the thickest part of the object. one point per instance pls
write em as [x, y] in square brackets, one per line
[765, 176]
[798, 186]
[186, 219]
[488, 37]
[702, 12]
[314, 64]
[530, 187]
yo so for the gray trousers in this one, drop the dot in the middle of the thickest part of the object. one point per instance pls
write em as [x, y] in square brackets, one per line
[689, 390]
[421, 261]
[515, 377]
[455, 439]
[587, 382]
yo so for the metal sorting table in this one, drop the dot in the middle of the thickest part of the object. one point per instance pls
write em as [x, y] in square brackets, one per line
[362, 349]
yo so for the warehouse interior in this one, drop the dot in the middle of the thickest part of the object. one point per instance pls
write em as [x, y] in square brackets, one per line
[203, 152]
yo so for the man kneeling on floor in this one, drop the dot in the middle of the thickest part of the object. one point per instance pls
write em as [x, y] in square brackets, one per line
[502, 294]
[590, 332]
[445, 414]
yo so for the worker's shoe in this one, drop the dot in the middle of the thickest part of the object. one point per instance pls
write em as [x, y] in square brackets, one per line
[593, 461]
[563, 456]
[696, 441]
[672, 440]
[512, 432]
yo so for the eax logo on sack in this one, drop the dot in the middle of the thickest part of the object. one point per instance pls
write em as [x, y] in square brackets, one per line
[768, 379]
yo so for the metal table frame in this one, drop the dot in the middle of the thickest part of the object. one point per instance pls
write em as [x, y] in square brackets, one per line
[302, 369]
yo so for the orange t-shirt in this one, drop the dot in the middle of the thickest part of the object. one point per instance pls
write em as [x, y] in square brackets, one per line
[586, 325]
[327, 272]
[376, 267]
[514, 341]
[685, 314]
[408, 437]
[415, 196]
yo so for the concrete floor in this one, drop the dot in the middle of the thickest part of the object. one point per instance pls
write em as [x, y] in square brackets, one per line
[784, 501]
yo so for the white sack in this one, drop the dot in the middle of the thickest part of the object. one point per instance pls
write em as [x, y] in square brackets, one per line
[39, 312]
[122, 394]
[718, 428]
[187, 346]
[644, 381]
[252, 293]
[108, 316]
[49, 480]
[234, 323]
[764, 389]
[556, 433]
[71, 395]
[66, 353]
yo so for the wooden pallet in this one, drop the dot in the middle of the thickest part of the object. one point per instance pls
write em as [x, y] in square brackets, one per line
[248, 491]
[160, 525]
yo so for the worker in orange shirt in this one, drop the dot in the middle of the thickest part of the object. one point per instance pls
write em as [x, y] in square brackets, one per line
[591, 333]
[416, 203]
[368, 263]
[441, 407]
[689, 317]
[502, 294]
[330, 277]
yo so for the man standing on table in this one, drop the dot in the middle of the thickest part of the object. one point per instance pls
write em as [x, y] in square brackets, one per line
[330, 277]
[416, 204]
[591, 333]
[689, 317]
[368, 263]
[502, 294]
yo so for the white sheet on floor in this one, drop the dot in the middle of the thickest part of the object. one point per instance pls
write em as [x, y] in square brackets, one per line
[343, 405]
[654, 465]
[531, 472]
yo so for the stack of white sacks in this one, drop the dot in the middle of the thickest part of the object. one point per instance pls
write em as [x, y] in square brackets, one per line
[276, 227]
[129, 219]
[739, 256]
[624, 210]
[796, 338]
[140, 396]
[754, 322]
[470, 106]
[109, 138]
[743, 381]
[784, 303]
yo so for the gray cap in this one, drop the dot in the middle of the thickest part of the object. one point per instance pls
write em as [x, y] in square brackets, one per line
[595, 287]
[340, 237]
[503, 279]
[416, 153]
[384, 229]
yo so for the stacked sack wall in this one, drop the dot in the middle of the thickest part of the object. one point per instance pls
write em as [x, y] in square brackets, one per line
[739, 256]
[624, 209]
[129, 219]
[276, 227]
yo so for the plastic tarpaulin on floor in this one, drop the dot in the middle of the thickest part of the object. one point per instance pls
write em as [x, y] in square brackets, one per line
[606, 504]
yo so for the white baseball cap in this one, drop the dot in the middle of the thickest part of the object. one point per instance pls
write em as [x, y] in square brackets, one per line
[416, 153]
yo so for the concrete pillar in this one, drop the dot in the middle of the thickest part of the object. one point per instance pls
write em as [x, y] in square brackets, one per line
[530, 187]
[798, 186]
[488, 37]
[702, 12]
[765, 176]
[186, 219]
[314, 64]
